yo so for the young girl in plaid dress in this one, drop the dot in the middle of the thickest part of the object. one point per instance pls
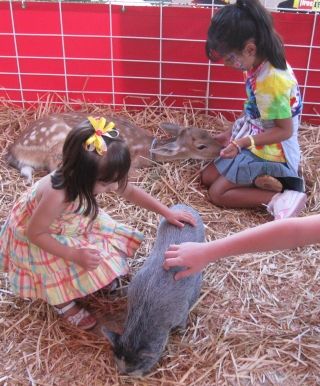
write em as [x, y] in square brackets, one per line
[56, 244]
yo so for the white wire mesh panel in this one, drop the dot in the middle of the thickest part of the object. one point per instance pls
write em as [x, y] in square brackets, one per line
[134, 54]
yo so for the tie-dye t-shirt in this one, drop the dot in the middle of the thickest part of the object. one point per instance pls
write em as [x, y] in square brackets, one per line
[271, 94]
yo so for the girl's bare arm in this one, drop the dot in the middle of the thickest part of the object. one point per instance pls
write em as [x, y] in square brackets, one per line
[275, 235]
[145, 200]
[277, 134]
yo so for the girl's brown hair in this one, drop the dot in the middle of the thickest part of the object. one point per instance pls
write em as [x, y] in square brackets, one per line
[81, 169]
[234, 24]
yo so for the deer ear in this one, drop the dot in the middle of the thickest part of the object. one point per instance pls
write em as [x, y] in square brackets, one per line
[169, 149]
[171, 128]
[112, 337]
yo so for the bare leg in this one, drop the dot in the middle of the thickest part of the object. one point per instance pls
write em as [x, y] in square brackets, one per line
[209, 175]
[224, 193]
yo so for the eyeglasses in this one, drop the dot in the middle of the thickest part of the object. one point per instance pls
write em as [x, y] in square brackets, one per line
[233, 59]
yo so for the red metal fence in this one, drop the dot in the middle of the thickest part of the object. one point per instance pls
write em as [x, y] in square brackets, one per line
[135, 55]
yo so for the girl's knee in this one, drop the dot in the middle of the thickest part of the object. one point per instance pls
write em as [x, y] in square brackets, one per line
[204, 179]
[215, 196]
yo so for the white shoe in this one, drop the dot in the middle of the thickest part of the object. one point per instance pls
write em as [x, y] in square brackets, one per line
[287, 204]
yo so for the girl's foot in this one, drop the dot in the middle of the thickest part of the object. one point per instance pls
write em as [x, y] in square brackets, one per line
[76, 316]
[266, 182]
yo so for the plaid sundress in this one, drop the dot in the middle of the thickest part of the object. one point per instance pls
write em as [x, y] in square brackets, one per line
[37, 274]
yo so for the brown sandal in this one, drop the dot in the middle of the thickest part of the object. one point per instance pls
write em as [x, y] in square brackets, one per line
[81, 319]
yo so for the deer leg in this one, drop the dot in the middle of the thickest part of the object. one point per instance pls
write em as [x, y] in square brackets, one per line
[26, 172]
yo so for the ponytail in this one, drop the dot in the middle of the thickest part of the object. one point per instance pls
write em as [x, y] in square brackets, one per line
[268, 42]
[233, 25]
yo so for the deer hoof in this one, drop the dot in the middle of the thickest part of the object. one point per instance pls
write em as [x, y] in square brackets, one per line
[26, 172]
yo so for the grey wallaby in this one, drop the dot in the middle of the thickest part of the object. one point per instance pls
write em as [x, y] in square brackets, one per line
[157, 302]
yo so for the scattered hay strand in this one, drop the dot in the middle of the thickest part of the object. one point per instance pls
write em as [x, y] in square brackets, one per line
[256, 322]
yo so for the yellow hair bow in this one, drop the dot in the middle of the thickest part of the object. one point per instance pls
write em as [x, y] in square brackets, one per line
[96, 142]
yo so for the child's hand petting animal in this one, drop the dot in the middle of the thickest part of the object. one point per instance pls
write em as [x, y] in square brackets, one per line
[178, 218]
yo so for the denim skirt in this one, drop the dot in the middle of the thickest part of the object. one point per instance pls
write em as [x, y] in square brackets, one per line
[246, 166]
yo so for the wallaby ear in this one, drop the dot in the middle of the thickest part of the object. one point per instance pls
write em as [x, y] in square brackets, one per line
[171, 128]
[112, 337]
[169, 149]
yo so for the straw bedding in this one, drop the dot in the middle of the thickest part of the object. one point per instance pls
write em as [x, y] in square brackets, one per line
[257, 321]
